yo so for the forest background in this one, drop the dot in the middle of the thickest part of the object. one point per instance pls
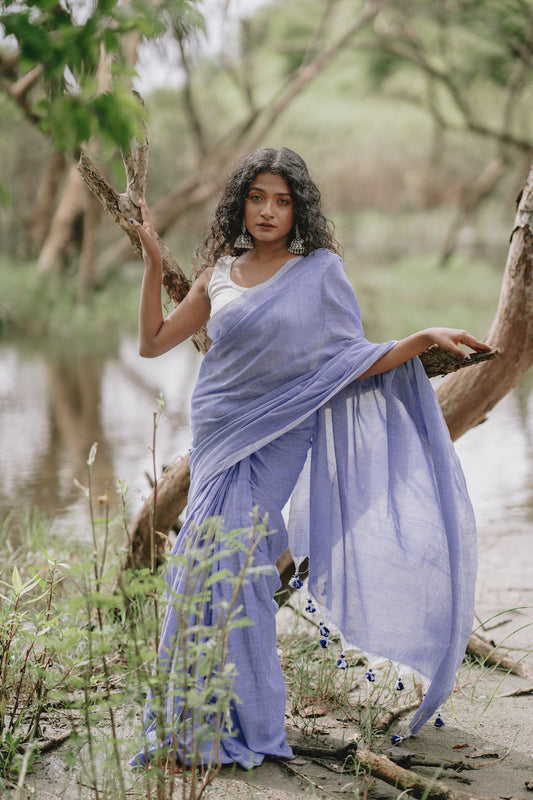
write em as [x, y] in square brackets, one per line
[417, 128]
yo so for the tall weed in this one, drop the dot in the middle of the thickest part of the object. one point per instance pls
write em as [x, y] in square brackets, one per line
[78, 648]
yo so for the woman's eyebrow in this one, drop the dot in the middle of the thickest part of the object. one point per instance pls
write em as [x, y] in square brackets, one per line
[259, 189]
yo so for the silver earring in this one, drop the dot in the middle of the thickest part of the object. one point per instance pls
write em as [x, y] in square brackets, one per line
[244, 241]
[296, 247]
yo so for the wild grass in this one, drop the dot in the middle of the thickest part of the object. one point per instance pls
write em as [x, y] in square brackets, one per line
[78, 652]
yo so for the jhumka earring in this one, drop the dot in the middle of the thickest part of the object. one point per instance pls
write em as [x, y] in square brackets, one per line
[244, 241]
[296, 247]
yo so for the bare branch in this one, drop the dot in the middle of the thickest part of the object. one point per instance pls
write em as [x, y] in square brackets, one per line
[121, 208]
[402, 41]
[381, 767]
[437, 361]
[307, 72]
[190, 101]
[136, 165]
[20, 89]
[200, 186]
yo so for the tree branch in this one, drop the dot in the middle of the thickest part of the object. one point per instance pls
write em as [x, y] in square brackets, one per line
[136, 164]
[20, 89]
[121, 207]
[200, 186]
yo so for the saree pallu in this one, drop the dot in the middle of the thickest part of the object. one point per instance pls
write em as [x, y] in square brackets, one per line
[378, 498]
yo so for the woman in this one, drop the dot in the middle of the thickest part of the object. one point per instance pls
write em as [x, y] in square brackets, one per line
[293, 402]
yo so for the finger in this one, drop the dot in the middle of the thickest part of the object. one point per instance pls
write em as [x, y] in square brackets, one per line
[145, 213]
[475, 344]
[139, 228]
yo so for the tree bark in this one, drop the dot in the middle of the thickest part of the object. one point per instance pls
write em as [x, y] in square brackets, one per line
[467, 396]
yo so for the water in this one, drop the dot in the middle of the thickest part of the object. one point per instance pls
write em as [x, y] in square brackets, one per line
[54, 406]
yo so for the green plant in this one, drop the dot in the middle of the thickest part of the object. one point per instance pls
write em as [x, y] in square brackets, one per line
[27, 668]
[201, 679]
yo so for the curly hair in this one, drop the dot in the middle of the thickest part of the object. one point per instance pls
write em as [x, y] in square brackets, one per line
[315, 229]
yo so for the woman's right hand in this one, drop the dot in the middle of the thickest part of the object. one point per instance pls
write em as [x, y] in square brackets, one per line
[147, 235]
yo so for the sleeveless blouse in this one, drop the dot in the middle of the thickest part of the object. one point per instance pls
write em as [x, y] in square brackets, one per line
[222, 289]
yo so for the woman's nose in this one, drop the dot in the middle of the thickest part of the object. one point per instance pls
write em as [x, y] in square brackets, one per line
[266, 211]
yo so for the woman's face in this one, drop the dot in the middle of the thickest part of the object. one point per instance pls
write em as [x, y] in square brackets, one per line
[268, 209]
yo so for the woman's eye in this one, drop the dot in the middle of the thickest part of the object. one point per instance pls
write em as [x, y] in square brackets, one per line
[283, 201]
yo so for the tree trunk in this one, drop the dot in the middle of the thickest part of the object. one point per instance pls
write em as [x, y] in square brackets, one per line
[467, 396]
[91, 220]
[61, 234]
[43, 208]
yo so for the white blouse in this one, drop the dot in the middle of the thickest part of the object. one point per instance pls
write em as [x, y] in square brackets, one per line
[221, 289]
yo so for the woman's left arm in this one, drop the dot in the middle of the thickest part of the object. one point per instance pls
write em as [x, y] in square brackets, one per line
[402, 351]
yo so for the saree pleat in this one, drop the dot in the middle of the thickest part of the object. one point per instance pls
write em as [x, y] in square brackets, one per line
[264, 481]
[378, 502]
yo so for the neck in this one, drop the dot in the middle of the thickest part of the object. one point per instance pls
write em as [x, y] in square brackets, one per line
[270, 252]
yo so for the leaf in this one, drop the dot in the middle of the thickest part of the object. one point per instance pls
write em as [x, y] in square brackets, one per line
[16, 582]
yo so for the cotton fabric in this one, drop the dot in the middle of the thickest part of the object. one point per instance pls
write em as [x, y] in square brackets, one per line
[378, 502]
[222, 289]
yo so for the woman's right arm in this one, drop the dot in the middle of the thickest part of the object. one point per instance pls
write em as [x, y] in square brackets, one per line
[157, 334]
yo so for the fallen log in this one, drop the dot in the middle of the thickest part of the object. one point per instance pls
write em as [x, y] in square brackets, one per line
[170, 500]
[489, 655]
[385, 770]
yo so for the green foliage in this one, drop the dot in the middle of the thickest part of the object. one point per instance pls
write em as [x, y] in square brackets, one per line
[34, 306]
[28, 623]
[69, 49]
[458, 48]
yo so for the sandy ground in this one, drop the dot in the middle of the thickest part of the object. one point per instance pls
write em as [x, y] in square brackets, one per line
[485, 748]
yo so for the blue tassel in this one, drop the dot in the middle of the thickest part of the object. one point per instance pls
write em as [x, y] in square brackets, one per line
[324, 630]
[324, 642]
[310, 607]
[399, 685]
[296, 582]
[342, 663]
[370, 675]
[395, 739]
[439, 722]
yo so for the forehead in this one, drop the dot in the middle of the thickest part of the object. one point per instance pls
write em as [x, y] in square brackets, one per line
[270, 182]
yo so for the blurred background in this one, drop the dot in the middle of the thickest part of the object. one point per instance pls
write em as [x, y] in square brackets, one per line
[415, 118]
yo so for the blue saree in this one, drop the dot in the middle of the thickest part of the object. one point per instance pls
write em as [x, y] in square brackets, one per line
[378, 498]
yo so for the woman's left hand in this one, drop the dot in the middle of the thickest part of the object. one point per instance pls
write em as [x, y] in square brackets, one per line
[451, 338]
